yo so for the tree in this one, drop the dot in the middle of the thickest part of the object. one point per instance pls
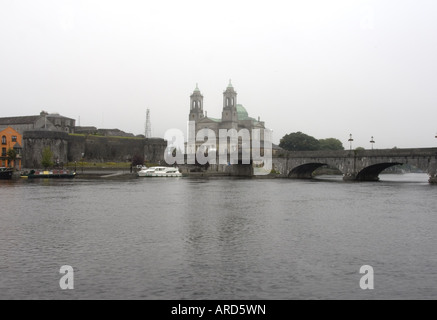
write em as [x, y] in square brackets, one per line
[12, 155]
[331, 144]
[47, 156]
[137, 160]
[299, 141]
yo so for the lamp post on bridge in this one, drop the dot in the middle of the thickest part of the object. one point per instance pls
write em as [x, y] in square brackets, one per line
[350, 141]
[372, 142]
[83, 155]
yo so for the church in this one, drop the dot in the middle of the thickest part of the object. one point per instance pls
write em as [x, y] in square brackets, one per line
[249, 140]
[234, 115]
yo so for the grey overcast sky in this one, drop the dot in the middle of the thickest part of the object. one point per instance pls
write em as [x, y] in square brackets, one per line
[326, 68]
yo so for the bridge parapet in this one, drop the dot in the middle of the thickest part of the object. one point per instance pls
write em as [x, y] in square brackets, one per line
[424, 152]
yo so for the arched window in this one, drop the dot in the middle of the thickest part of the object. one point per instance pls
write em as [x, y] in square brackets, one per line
[4, 140]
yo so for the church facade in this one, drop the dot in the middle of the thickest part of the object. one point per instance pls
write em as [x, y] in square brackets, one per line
[234, 115]
[233, 138]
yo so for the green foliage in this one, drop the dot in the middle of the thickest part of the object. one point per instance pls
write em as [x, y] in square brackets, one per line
[359, 149]
[299, 141]
[47, 156]
[99, 165]
[330, 144]
[77, 135]
[11, 154]
[151, 164]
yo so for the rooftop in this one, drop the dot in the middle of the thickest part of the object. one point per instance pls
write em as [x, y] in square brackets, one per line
[242, 113]
[18, 120]
[27, 119]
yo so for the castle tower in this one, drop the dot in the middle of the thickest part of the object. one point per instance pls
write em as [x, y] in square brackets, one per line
[196, 105]
[229, 114]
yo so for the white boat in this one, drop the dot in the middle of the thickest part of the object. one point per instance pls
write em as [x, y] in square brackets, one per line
[160, 172]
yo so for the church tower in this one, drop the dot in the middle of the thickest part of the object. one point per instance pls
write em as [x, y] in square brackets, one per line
[229, 114]
[196, 105]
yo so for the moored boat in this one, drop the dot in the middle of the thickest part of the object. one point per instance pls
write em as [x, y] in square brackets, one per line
[160, 172]
[52, 174]
[6, 173]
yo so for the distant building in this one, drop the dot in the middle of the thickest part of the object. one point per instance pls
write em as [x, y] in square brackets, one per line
[114, 133]
[102, 132]
[85, 130]
[11, 139]
[234, 115]
[44, 121]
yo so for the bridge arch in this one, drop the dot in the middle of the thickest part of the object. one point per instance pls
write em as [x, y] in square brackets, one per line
[305, 171]
[371, 173]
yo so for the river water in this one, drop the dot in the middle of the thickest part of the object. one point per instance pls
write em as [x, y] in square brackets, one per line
[186, 238]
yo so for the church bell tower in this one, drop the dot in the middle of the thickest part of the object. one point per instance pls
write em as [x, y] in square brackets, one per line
[196, 105]
[229, 113]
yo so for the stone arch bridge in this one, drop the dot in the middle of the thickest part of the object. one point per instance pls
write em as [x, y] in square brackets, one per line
[360, 165]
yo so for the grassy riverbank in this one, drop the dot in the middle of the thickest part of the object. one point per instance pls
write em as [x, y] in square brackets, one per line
[102, 165]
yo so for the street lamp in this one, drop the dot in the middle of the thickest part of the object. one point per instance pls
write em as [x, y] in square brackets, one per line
[372, 142]
[350, 140]
[83, 155]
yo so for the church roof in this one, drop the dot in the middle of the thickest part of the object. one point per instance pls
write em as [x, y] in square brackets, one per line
[242, 113]
[208, 119]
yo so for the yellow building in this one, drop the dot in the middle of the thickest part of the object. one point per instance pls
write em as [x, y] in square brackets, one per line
[10, 140]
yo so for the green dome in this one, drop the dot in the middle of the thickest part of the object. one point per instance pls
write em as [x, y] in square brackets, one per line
[242, 112]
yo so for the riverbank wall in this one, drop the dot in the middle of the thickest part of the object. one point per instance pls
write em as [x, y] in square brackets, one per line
[75, 148]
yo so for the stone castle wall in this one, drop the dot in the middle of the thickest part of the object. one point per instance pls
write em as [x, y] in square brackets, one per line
[34, 142]
[70, 148]
[115, 149]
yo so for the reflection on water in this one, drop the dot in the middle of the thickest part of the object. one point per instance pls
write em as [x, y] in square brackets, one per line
[219, 238]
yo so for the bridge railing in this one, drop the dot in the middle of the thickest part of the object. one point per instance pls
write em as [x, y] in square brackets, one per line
[413, 152]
